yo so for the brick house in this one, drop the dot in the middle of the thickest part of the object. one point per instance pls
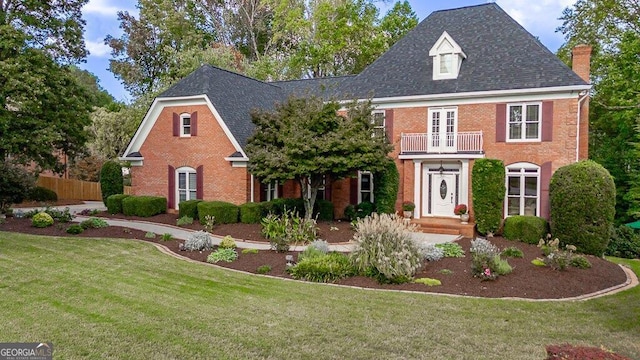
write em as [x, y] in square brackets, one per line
[466, 83]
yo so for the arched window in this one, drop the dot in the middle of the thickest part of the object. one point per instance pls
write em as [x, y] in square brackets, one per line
[523, 189]
[186, 180]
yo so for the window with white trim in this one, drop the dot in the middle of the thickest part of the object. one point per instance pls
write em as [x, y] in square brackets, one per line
[186, 179]
[523, 189]
[447, 58]
[185, 125]
[378, 121]
[524, 122]
[270, 191]
[365, 186]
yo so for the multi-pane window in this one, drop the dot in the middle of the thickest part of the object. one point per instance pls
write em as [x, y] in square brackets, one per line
[523, 188]
[322, 189]
[270, 191]
[435, 129]
[187, 184]
[524, 122]
[365, 186]
[185, 125]
[378, 123]
[446, 63]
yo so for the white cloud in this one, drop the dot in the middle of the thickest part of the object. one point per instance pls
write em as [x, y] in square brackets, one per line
[101, 7]
[97, 48]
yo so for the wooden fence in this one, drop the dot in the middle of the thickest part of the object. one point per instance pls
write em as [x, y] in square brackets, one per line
[71, 189]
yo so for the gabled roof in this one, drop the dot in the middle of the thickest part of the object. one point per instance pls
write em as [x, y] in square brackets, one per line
[327, 88]
[233, 96]
[501, 55]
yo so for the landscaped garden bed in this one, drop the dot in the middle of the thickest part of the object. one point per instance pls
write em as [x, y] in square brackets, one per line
[525, 281]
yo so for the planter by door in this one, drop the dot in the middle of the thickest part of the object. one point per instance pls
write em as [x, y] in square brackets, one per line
[464, 218]
[407, 214]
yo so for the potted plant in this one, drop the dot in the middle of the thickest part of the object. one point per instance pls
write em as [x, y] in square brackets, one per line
[407, 209]
[463, 211]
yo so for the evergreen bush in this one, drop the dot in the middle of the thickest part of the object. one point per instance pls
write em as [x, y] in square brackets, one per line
[324, 210]
[488, 194]
[582, 197]
[114, 203]
[385, 189]
[111, 180]
[279, 205]
[39, 193]
[41, 220]
[224, 212]
[188, 208]
[528, 229]
[15, 182]
[624, 243]
[144, 206]
[251, 213]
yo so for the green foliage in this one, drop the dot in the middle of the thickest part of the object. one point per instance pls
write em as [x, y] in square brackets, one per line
[251, 213]
[144, 206]
[323, 268]
[451, 250]
[75, 229]
[445, 272]
[94, 223]
[280, 205]
[41, 220]
[227, 242]
[385, 188]
[166, 237]
[150, 235]
[15, 182]
[486, 262]
[39, 193]
[63, 216]
[111, 181]
[555, 257]
[528, 229]
[263, 269]
[306, 139]
[582, 199]
[222, 254]
[580, 262]
[350, 212]
[324, 210]
[513, 252]
[538, 262]
[114, 203]
[310, 252]
[287, 229]
[383, 248]
[365, 209]
[250, 251]
[189, 208]
[625, 243]
[224, 212]
[184, 220]
[208, 222]
[487, 182]
[428, 281]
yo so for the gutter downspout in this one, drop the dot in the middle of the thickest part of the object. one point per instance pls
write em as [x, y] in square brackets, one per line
[252, 190]
[585, 94]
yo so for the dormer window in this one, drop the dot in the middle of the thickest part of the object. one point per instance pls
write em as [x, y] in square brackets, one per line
[447, 58]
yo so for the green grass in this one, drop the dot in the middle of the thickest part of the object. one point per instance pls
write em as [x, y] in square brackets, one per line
[118, 299]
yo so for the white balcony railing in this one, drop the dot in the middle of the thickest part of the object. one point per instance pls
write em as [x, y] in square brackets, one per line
[462, 142]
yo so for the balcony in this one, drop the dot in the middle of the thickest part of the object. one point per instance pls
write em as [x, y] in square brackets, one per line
[469, 142]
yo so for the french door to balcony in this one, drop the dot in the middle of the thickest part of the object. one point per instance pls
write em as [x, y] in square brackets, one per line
[443, 128]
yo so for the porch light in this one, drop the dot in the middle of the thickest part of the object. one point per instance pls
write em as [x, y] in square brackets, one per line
[441, 169]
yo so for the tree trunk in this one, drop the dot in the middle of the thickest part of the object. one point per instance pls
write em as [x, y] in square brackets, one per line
[309, 193]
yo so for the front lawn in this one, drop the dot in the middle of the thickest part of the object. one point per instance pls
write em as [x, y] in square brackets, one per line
[124, 299]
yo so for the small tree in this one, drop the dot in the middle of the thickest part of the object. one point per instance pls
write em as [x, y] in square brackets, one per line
[385, 189]
[15, 183]
[583, 200]
[111, 181]
[488, 194]
[305, 139]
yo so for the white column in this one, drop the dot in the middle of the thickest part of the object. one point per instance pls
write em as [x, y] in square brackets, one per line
[464, 182]
[417, 186]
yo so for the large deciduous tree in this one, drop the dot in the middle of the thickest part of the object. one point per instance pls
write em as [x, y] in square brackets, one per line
[307, 139]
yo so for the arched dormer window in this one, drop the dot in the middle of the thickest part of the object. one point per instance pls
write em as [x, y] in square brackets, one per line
[447, 58]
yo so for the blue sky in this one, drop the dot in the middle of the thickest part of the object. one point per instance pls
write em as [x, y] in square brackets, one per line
[540, 17]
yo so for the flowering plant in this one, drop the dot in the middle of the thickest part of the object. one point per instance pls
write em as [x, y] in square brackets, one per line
[408, 206]
[460, 209]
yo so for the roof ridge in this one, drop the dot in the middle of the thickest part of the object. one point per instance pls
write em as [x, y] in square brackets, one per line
[311, 79]
[466, 7]
[238, 74]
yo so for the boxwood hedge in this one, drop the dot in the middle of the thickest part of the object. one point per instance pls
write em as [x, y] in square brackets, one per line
[224, 212]
[251, 213]
[528, 229]
[114, 203]
[144, 206]
[188, 208]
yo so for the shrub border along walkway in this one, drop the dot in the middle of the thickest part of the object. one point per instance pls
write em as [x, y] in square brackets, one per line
[183, 234]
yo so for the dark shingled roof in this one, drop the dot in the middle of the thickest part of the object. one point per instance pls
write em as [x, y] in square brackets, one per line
[327, 88]
[232, 94]
[501, 55]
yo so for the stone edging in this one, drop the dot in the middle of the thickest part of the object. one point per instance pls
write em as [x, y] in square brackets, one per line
[632, 281]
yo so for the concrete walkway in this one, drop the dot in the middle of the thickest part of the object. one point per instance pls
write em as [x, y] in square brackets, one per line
[183, 234]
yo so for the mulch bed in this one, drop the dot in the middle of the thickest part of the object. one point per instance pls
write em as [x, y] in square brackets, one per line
[526, 280]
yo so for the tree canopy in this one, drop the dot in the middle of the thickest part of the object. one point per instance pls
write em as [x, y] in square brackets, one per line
[308, 139]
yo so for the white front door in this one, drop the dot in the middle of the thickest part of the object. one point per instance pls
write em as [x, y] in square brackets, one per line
[443, 194]
[443, 130]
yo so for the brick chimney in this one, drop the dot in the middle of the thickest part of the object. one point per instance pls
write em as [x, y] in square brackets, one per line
[581, 61]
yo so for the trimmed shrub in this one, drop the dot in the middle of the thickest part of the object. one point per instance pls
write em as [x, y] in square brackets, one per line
[323, 268]
[224, 212]
[111, 180]
[528, 229]
[279, 205]
[251, 213]
[350, 212]
[39, 193]
[144, 206]
[488, 194]
[41, 220]
[114, 203]
[625, 243]
[189, 208]
[75, 229]
[324, 210]
[385, 188]
[384, 249]
[582, 198]
[365, 209]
